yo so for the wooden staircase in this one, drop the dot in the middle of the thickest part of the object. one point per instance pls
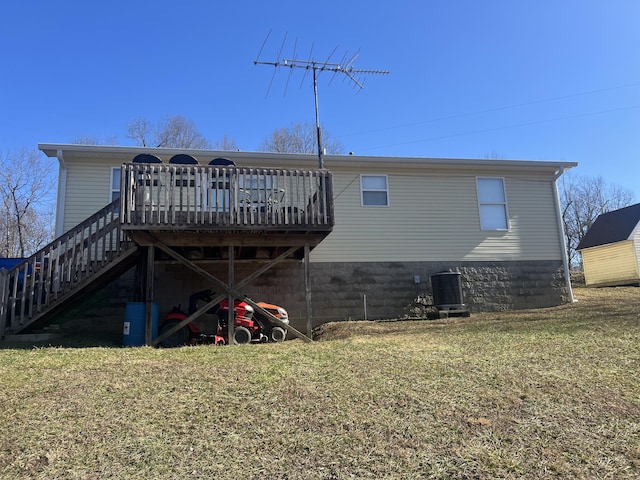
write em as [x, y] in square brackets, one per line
[73, 265]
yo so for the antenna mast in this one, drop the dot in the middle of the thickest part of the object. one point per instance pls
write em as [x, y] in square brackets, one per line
[347, 69]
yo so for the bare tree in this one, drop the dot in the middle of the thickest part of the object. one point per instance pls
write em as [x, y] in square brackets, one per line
[494, 155]
[226, 143]
[171, 132]
[140, 132]
[583, 199]
[26, 182]
[92, 140]
[300, 137]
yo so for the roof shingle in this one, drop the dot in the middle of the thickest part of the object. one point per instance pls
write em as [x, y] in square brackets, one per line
[612, 227]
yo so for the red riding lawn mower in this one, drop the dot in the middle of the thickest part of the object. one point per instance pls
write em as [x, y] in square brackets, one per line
[249, 326]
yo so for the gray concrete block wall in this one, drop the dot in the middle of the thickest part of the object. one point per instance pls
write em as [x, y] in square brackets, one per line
[339, 289]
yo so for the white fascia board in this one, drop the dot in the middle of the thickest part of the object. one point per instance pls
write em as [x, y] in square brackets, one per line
[126, 153]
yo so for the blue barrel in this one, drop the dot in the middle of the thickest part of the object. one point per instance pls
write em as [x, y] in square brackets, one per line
[134, 323]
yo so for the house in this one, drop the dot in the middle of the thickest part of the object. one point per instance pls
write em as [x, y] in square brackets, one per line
[384, 227]
[611, 248]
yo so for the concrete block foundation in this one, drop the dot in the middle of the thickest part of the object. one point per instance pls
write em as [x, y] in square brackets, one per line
[383, 290]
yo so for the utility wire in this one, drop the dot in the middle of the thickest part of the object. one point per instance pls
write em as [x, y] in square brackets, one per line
[506, 127]
[495, 109]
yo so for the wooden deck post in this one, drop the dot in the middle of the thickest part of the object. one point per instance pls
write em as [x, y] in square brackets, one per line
[148, 295]
[3, 305]
[232, 291]
[307, 289]
[232, 309]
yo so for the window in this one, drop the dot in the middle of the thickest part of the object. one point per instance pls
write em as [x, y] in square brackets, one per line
[492, 204]
[115, 183]
[374, 191]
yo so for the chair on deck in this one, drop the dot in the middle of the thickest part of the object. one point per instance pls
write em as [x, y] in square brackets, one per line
[146, 158]
[183, 178]
[150, 183]
[221, 189]
[222, 162]
[183, 159]
[145, 175]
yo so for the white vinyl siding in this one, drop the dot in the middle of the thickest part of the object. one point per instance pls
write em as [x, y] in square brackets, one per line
[88, 190]
[610, 264]
[434, 216]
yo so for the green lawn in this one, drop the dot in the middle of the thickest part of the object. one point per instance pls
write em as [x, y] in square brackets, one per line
[550, 393]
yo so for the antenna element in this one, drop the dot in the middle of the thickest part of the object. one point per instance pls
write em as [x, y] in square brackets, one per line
[347, 69]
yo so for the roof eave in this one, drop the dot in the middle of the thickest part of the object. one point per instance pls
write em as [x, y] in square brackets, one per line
[52, 149]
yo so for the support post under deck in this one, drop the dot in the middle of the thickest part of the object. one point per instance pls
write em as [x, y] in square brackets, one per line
[307, 290]
[148, 296]
[232, 291]
[232, 307]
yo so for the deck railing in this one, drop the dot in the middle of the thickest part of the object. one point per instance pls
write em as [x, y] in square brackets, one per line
[55, 272]
[176, 196]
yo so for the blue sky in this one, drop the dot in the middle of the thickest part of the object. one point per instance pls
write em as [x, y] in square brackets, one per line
[533, 80]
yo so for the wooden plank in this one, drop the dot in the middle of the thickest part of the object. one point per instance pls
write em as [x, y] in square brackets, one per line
[57, 274]
[296, 333]
[148, 295]
[23, 293]
[4, 305]
[13, 293]
[29, 285]
[231, 314]
[307, 290]
[220, 284]
[217, 299]
[208, 239]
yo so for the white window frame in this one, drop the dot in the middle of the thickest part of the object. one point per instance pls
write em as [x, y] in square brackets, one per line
[492, 203]
[385, 190]
[112, 188]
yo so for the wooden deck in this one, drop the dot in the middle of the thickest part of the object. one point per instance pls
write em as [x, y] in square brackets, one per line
[206, 208]
[187, 197]
[190, 212]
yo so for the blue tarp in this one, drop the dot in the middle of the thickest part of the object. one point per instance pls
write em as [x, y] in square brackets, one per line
[9, 263]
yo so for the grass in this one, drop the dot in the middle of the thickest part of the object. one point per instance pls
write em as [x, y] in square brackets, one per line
[550, 393]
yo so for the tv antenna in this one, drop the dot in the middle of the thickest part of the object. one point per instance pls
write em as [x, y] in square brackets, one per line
[345, 67]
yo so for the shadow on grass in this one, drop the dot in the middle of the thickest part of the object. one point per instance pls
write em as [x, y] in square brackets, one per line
[63, 340]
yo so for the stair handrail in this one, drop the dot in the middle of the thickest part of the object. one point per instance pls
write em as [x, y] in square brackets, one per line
[62, 265]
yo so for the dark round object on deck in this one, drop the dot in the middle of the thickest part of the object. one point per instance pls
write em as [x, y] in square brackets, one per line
[183, 159]
[146, 158]
[222, 162]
